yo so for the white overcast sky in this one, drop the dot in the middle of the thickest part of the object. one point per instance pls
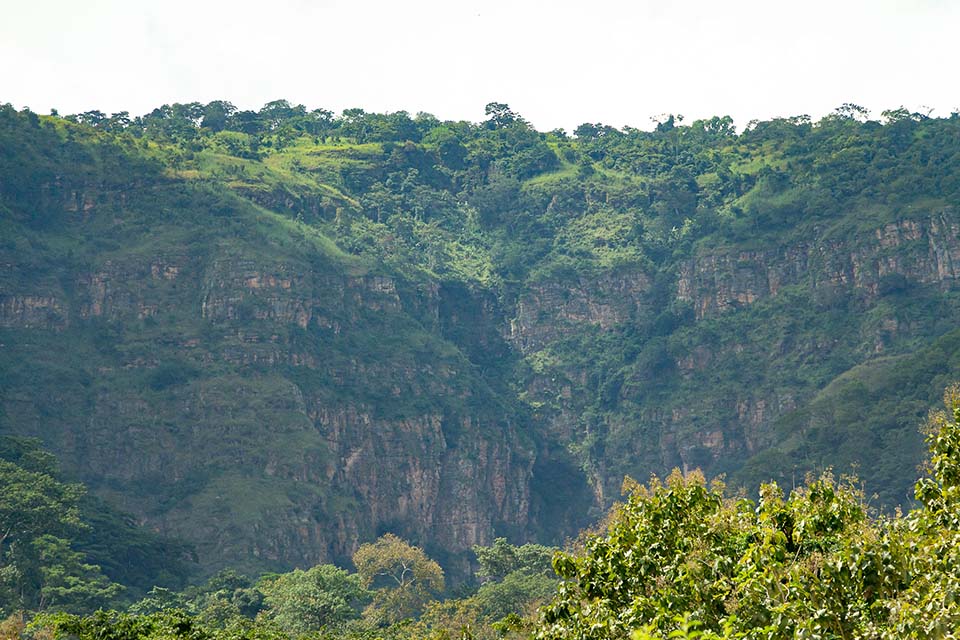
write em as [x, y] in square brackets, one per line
[557, 63]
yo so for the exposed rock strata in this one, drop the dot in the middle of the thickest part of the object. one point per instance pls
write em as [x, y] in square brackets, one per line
[925, 251]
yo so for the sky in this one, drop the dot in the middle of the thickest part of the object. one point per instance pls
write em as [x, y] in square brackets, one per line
[558, 63]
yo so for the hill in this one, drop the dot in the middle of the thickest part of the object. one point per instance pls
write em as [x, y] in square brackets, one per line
[279, 334]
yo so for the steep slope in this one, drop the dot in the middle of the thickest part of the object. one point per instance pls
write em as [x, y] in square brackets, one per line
[236, 380]
[764, 332]
[279, 334]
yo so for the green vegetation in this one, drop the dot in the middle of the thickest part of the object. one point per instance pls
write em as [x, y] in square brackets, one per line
[53, 541]
[304, 601]
[327, 601]
[277, 335]
[404, 577]
[679, 558]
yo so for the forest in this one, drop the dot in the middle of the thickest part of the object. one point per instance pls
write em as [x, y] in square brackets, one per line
[285, 374]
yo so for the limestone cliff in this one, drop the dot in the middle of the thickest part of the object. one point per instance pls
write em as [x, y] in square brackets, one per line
[925, 251]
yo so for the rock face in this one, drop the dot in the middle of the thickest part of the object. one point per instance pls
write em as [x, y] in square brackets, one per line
[277, 403]
[407, 472]
[126, 290]
[32, 311]
[274, 410]
[548, 311]
[632, 423]
[923, 251]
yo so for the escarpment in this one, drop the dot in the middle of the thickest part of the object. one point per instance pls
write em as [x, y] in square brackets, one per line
[277, 345]
[277, 412]
[924, 251]
[756, 316]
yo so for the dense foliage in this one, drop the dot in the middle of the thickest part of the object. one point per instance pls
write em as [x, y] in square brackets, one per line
[54, 539]
[680, 556]
[327, 602]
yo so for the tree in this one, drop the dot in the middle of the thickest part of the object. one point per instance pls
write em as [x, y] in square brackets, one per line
[68, 583]
[588, 131]
[278, 112]
[118, 121]
[666, 122]
[851, 111]
[304, 601]
[679, 548]
[34, 503]
[930, 536]
[502, 558]
[39, 517]
[404, 578]
[500, 115]
[111, 625]
[319, 122]
[217, 114]
[94, 117]
[518, 593]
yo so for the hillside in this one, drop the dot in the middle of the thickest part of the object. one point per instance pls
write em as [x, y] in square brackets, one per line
[279, 334]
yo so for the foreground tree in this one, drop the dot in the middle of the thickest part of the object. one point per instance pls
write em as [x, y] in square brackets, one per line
[403, 577]
[679, 558]
[34, 503]
[39, 520]
[305, 601]
[67, 581]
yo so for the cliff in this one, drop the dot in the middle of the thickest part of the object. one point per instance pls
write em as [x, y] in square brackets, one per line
[277, 346]
[717, 389]
[274, 407]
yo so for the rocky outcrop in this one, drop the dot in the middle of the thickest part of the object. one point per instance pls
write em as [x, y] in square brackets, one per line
[129, 289]
[548, 311]
[243, 290]
[923, 251]
[32, 311]
[450, 480]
